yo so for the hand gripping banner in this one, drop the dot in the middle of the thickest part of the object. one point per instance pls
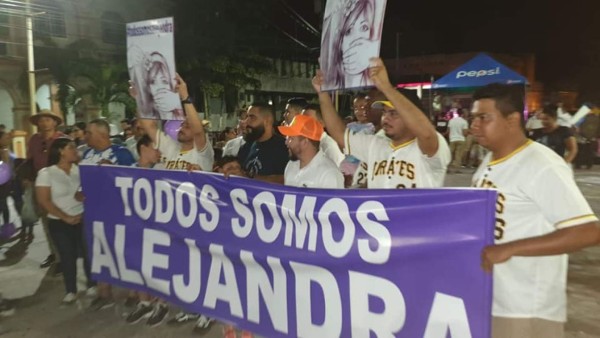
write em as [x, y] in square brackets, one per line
[292, 262]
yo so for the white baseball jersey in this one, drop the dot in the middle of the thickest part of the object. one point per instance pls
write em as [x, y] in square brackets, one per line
[403, 166]
[536, 196]
[174, 158]
[321, 172]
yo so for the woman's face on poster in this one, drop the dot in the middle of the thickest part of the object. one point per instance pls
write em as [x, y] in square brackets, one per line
[159, 81]
[356, 33]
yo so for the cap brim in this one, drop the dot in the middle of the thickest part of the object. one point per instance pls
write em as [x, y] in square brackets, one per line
[287, 131]
[381, 104]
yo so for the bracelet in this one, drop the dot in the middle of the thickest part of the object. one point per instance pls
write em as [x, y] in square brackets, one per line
[188, 100]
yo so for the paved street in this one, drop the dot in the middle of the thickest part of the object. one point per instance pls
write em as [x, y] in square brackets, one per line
[39, 314]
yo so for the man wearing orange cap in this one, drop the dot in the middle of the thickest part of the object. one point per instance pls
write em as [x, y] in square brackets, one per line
[309, 167]
[413, 156]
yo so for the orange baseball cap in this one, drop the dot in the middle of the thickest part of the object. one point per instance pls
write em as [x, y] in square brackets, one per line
[303, 125]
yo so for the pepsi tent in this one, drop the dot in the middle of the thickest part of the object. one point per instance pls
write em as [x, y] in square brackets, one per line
[479, 71]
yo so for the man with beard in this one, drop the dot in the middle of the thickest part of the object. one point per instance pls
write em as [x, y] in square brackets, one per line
[309, 167]
[265, 155]
[413, 156]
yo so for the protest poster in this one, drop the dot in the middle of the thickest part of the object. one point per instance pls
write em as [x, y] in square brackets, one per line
[285, 261]
[351, 36]
[151, 66]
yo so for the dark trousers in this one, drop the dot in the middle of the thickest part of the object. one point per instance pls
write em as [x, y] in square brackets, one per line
[585, 154]
[70, 245]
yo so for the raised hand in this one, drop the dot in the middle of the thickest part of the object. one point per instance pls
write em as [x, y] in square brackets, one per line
[378, 74]
[317, 81]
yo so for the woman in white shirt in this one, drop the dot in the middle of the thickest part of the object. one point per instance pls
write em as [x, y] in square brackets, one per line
[56, 189]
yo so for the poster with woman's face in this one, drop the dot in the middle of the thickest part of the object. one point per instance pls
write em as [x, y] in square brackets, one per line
[151, 64]
[351, 36]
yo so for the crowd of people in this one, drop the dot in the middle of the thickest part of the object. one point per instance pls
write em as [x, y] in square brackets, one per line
[541, 214]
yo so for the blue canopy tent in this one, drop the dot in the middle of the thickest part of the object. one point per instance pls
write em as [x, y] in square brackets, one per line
[479, 71]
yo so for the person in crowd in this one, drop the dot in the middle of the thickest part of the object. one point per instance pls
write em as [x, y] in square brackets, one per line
[148, 307]
[102, 151]
[458, 129]
[192, 149]
[534, 122]
[327, 145]
[131, 142]
[308, 166]
[30, 213]
[265, 155]
[7, 223]
[226, 135]
[562, 116]
[37, 151]
[293, 107]
[229, 165]
[414, 155]
[588, 133]
[540, 216]
[558, 138]
[57, 187]
[351, 31]
[78, 133]
[232, 147]
[350, 165]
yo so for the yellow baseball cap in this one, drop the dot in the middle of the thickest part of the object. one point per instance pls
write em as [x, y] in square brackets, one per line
[381, 104]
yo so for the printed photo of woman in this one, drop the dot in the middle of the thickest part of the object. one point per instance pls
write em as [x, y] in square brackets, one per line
[351, 36]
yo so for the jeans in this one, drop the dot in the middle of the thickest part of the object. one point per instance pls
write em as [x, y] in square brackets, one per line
[70, 244]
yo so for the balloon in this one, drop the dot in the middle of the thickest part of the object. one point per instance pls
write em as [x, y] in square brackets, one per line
[5, 173]
[172, 127]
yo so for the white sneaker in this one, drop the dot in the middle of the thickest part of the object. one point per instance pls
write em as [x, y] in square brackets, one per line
[91, 292]
[69, 298]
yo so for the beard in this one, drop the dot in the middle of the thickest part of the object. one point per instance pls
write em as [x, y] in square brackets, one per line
[293, 157]
[254, 133]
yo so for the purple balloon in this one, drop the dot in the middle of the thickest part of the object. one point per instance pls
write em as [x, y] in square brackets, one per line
[5, 173]
[172, 127]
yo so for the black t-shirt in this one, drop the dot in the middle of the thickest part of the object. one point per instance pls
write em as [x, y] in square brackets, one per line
[264, 158]
[554, 140]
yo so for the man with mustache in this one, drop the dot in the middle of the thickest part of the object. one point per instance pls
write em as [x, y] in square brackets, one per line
[265, 155]
[413, 156]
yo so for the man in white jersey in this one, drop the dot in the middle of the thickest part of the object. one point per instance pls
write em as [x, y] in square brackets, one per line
[413, 156]
[309, 167]
[192, 149]
[540, 216]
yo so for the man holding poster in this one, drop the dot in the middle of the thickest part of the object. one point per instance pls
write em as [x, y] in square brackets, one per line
[540, 216]
[151, 64]
[416, 157]
[351, 35]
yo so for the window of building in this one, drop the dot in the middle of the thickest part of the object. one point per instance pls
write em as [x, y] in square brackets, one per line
[113, 28]
[51, 23]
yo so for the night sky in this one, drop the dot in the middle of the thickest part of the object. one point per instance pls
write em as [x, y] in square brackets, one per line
[564, 35]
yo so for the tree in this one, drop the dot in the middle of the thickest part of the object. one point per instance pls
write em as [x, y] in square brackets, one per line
[104, 82]
[218, 45]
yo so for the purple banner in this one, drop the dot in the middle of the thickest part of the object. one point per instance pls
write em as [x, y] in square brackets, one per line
[286, 262]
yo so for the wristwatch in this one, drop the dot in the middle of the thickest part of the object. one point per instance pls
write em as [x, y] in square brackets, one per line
[188, 100]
